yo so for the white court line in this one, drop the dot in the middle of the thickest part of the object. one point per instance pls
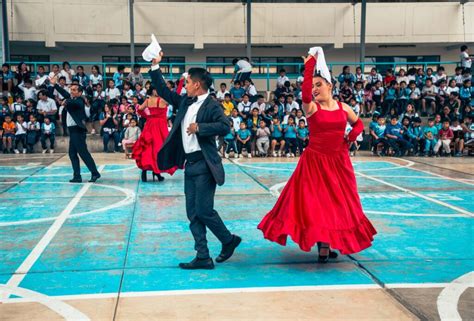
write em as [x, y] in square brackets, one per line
[448, 298]
[129, 198]
[237, 290]
[34, 255]
[63, 174]
[457, 209]
[65, 310]
[413, 214]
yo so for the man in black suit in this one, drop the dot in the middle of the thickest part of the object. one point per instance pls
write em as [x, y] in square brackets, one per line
[191, 144]
[76, 124]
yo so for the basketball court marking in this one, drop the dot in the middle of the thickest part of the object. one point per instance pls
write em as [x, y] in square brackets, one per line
[448, 298]
[129, 198]
[64, 174]
[34, 255]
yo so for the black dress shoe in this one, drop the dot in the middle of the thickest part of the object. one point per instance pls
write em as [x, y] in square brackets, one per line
[228, 249]
[94, 178]
[198, 264]
[76, 180]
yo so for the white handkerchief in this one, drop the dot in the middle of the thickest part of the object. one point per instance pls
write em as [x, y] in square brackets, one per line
[321, 66]
[153, 49]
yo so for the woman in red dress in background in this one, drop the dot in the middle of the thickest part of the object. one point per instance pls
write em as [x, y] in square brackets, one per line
[145, 151]
[320, 203]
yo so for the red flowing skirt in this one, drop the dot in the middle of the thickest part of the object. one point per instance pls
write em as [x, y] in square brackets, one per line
[145, 151]
[320, 203]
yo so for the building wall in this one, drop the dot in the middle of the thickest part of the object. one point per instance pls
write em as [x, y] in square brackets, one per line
[199, 24]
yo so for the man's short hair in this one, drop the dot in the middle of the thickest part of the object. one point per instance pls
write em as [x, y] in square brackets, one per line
[202, 76]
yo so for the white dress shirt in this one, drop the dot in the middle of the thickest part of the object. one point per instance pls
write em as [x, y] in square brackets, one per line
[190, 142]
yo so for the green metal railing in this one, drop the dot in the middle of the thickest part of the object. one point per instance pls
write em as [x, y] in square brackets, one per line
[267, 71]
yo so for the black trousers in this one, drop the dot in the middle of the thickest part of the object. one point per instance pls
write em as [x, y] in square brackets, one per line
[200, 188]
[78, 146]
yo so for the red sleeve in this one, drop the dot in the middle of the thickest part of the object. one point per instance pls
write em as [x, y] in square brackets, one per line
[306, 88]
[180, 86]
[143, 113]
[357, 128]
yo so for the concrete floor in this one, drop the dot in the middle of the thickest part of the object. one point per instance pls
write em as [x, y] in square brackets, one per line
[401, 278]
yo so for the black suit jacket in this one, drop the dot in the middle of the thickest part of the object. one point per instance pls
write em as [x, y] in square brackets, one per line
[74, 106]
[211, 120]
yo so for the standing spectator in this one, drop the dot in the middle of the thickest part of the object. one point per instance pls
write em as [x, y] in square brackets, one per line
[282, 78]
[20, 134]
[67, 72]
[242, 70]
[9, 130]
[48, 130]
[466, 60]
[33, 133]
[118, 77]
[445, 137]
[263, 141]
[135, 77]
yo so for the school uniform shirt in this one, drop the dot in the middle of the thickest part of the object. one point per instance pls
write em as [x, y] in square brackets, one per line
[47, 106]
[281, 80]
[230, 135]
[95, 79]
[237, 93]
[290, 131]
[112, 93]
[403, 78]
[459, 80]
[28, 93]
[129, 95]
[243, 66]
[302, 132]
[429, 90]
[378, 91]
[261, 107]
[433, 130]
[394, 130]
[371, 79]
[243, 134]
[415, 93]
[276, 132]
[293, 105]
[236, 122]
[450, 90]
[21, 128]
[48, 129]
[221, 94]
[53, 75]
[415, 132]
[404, 93]
[466, 62]
[356, 109]
[437, 77]
[391, 94]
[465, 92]
[98, 95]
[33, 126]
[379, 130]
[244, 108]
[360, 77]
[83, 79]
[359, 95]
[251, 90]
[68, 76]
[117, 80]
[18, 107]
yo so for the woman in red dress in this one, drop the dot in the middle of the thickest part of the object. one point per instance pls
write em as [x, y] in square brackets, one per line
[320, 203]
[145, 151]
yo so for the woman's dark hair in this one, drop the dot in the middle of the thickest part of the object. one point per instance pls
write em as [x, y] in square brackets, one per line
[202, 76]
[344, 69]
[66, 64]
[149, 92]
[121, 68]
[463, 48]
[96, 67]
[234, 61]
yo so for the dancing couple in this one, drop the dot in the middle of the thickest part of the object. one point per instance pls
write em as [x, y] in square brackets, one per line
[319, 204]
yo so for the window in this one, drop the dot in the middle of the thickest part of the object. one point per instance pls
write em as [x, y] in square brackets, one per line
[112, 62]
[223, 65]
[15, 59]
[399, 62]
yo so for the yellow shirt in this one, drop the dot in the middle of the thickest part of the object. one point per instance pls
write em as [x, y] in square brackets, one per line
[228, 107]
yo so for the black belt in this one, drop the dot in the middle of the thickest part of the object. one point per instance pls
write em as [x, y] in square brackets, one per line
[194, 157]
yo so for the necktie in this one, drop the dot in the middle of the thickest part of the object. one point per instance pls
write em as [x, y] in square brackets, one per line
[191, 100]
